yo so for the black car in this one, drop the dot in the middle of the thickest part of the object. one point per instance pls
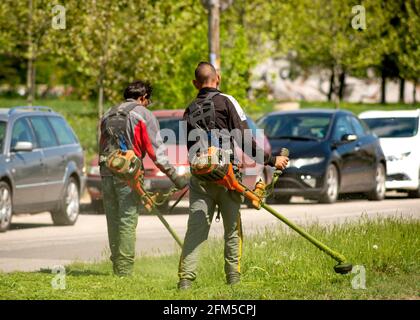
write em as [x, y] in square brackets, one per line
[331, 152]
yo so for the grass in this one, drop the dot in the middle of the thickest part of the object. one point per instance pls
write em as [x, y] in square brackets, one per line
[83, 117]
[276, 265]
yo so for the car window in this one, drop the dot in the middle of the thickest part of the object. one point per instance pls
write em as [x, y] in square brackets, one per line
[393, 127]
[2, 133]
[62, 130]
[342, 127]
[21, 132]
[313, 126]
[358, 127]
[173, 124]
[43, 131]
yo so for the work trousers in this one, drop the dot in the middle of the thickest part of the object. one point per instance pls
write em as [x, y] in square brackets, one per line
[121, 207]
[204, 196]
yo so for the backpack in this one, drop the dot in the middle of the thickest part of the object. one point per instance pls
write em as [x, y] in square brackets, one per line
[115, 130]
[202, 116]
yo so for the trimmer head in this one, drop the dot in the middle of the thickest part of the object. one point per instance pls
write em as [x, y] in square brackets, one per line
[343, 268]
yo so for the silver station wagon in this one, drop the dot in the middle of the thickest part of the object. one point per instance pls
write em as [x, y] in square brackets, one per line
[41, 165]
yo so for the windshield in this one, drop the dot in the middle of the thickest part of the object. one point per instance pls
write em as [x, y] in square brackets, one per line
[393, 127]
[2, 134]
[172, 124]
[296, 126]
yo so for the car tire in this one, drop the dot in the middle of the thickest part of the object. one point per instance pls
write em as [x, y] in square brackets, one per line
[331, 186]
[69, 206]
[98, 206]
[6, 206]
[378, 193]
[415, 193]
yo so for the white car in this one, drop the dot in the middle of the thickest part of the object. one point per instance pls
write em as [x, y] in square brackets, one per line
[399, 134]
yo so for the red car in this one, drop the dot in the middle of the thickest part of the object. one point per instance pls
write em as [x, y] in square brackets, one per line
[155, 180]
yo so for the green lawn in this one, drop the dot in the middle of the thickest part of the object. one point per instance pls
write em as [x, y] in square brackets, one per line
[82, 115]
[276, 265]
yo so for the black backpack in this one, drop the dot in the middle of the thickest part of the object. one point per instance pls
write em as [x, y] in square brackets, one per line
[202, 116]
[114, 132]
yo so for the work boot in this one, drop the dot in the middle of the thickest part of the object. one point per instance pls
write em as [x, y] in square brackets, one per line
[184, 284]
[233, 279]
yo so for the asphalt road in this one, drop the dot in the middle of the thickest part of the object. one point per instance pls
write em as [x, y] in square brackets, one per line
[34, 243]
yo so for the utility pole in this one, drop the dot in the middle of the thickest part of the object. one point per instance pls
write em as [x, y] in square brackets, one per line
[213, 7]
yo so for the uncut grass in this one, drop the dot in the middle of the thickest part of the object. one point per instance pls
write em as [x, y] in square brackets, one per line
[276, 265]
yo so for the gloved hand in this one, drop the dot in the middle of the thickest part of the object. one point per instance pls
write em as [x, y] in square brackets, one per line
[180, 182]
[281, 162]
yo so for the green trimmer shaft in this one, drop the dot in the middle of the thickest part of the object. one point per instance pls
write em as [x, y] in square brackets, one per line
[342, 267]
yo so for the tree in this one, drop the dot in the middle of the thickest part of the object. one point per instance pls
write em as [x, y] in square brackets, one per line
[32, 36]
[409, 57]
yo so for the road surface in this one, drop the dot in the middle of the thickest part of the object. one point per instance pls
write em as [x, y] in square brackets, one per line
[34, 243]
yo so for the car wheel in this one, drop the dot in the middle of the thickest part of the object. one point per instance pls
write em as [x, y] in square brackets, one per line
[6, 208]
[68, 211]
[415, 193]
[378, 193]
[331, 186]
[98, 206]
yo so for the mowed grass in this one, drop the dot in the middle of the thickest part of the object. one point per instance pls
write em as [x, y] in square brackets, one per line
[276, 265]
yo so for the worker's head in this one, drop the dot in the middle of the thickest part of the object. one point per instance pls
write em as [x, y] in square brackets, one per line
[140, 91]
[206, 76]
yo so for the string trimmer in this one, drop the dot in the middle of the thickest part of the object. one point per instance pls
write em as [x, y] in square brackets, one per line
[215, 166]
[128, 167]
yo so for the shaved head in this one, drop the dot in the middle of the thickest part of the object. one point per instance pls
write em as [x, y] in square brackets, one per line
[205, 73]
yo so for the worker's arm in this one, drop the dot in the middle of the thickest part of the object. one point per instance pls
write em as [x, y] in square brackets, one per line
[147, 139]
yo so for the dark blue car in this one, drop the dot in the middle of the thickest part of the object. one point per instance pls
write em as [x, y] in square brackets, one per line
[331, 152]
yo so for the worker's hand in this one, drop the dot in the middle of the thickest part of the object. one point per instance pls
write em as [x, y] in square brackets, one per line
[281, 162]
[180, 182]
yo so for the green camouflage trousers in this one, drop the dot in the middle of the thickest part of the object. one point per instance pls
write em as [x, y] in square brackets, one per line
[122, 210]
[204, 196]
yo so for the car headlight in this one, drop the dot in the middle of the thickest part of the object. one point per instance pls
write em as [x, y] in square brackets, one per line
[182, 170]
[398, 157]
[94, 171]
[302, 162]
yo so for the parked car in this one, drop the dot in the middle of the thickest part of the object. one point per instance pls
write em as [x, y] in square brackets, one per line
[41, 165]
[399, 134]
[331, 152]
[155, 180]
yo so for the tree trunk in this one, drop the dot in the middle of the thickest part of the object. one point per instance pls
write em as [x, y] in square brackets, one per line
[101, 99]
[30, 81]
[414, 91]
[337, 71]
[383, 89]
[331, 91]
[402, 90]
[342, 80]
[30, 72]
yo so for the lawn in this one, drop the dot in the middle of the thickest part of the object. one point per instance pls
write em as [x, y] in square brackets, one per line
[83, 117]
[276, 265]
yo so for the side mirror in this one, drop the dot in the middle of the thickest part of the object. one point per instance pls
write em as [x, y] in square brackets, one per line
[349, 138]
[23, 146]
